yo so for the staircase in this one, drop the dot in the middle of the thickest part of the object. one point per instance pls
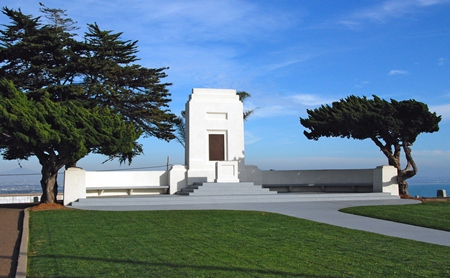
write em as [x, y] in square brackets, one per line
[225, 189]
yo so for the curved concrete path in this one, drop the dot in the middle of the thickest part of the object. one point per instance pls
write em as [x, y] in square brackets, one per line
[319, 211]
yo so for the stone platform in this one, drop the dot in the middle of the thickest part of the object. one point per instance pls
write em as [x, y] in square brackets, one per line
[158, 200]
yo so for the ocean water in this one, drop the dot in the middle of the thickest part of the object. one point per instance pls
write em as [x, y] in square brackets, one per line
[419, 189]
[428, 189]
[23, 189]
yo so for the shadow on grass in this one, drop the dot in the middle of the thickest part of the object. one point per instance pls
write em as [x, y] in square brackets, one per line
[238, 270]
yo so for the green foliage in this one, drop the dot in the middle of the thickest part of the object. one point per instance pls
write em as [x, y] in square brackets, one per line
[99, 70]
[75, 97]
[243, 95]
[392, 126]
[362, 118]
[74, 243]
[38, 127]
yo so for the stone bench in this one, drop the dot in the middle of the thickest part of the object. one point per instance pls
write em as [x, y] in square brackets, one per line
[128, 190]
[353, 187]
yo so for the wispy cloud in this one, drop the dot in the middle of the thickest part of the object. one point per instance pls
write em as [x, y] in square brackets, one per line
[387, 10]
[202, 20]
[361, 84]
[398, 72]
[309, 99]
[441, 61]
[250, 138]
[274, 111]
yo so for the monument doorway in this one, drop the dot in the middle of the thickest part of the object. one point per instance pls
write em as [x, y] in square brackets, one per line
[216, 147]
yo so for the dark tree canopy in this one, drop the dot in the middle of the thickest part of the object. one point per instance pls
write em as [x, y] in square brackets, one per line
[58, 133]
[62, 98]
[100, 70]
[393, 126]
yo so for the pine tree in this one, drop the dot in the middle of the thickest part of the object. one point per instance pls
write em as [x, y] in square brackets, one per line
[392, 126]
[66, 78]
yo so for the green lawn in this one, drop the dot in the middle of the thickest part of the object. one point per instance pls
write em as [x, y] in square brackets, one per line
[435, 215]
[72, 243]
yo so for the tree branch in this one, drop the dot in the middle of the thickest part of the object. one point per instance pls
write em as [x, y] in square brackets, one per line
[411, 162]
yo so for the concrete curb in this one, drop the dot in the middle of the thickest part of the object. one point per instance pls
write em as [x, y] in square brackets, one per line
[21, 271]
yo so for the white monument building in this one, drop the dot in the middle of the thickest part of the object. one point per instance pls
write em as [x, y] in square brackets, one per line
[214, 136]
[215, 142]
[215, 165]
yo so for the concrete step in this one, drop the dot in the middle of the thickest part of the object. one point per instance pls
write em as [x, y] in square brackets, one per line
[162, 200]
[225, 189]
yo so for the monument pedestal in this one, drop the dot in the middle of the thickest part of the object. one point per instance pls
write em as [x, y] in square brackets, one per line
[227, 171]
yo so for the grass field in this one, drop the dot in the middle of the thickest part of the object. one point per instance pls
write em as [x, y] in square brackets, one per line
[71, 243]
[435, 215]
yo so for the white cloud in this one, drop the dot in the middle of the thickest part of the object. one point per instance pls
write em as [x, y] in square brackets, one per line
[250, 138]
[361, 84]
[398, 72]
[202, 20]
[309, 99]
[350, 24]
[441, 61]
[274, 111]
[386, 10]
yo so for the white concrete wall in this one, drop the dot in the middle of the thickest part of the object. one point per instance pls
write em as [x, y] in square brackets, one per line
[124, 178]
[250, 173]
[317, 176]
[121, 179]
[177, 178]
[383, 178]
[212, 111]
[78, 181]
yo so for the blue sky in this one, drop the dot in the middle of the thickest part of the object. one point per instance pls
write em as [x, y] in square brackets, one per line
[290, 56]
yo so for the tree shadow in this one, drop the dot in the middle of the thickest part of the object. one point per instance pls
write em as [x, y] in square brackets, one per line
[246, 271]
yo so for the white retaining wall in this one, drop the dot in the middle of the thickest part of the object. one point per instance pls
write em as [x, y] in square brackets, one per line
[78, 181]
[317, 176]
[123, 178]
[383, 179]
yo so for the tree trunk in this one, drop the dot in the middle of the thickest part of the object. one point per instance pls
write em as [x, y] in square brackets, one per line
[51, 164]
[49, 184]
[402, 184]
[392, 152]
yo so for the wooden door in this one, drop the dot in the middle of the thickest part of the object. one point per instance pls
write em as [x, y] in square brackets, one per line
[216, 147]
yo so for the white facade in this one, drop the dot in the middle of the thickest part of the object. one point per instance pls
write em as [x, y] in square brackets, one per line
[213, 112]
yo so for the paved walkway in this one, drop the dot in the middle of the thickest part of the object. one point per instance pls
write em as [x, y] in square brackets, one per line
[319, 211]
[11, 217]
